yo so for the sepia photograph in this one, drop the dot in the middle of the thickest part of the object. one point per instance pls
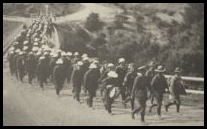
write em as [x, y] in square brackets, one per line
[103, 64]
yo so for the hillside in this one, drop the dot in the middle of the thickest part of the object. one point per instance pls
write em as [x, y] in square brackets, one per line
[173, 34]
[23, 9]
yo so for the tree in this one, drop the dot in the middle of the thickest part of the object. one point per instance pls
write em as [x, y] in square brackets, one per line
[93, 22]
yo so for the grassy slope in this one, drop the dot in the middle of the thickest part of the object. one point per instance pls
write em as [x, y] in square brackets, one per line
[9, 26]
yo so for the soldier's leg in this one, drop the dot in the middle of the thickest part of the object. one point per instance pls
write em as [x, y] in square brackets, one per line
[143, 112]
[177, 101]
[159, 104]
[168, 105]
[30, 77]
[90, 99]
[41, 81]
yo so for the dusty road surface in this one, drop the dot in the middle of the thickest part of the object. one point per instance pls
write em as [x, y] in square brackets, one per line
[25, 104]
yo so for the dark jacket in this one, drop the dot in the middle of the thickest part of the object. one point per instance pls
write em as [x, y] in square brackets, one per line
[121, 71]
[140, 87]
[77, 77]
[176, 87]
[91, 79]
[129, 80]
[159, 84]
[58, 75]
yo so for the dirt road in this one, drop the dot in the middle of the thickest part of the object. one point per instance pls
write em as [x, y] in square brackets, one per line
[24, 104]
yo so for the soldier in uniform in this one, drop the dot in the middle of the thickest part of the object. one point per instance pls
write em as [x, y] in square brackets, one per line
[91, 82]
[129, 81]
[121, 70]
[139, 93]
[14, 62]
[20, 66]
[176, 88]
[77, 79]
[10, 59]
[42, 71]
[150, 74]
[59, 76]
[31, 64]
[159, 84]
[109, 82]
[52, 66]
[110, 67]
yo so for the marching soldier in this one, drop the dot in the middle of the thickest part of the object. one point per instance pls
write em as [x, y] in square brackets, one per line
[42, 71]
[129, 81]
[150, 74]
[121, 70]
[59, 76]
[139, 93]
[176, 89]
[20, 66]
[31, 64]
[10, 59]
[77, 79]
[107, 84]
[91, 82]
[110, 67]
[159, 84]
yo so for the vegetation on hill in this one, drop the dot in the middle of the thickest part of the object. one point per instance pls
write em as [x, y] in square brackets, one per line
[173, 34]
[23, 9]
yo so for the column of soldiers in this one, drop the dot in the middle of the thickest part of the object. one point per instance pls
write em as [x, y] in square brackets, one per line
[30, 55]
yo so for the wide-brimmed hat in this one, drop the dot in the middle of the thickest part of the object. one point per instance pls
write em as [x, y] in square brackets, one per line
[42, 58]
[84, 55]
[85, 58]
[76, 54]
[25, 47]
[12, 49]
[112, 74]
[177, 70]
[35, 49]
[160, 68]
[69, 54]
[17, 51]
[11, 52]
[36, 39]
[110, 65]
[121, 60]
[26, 42]
[59, 61]
[93, 66]
[79, 63]
[35, 44]
[63, 53]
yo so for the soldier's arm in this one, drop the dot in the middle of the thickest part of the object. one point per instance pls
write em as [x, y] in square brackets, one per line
[134, 86]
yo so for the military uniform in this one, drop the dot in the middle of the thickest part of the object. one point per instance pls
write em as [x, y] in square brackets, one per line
[139, 93]
[91, 84]
[31, 64]
[106, 99]
[77, 79]
[121, 71]
[159, 84]
[175, 91]
[20, 67]
[59, 77]
[42, 72]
